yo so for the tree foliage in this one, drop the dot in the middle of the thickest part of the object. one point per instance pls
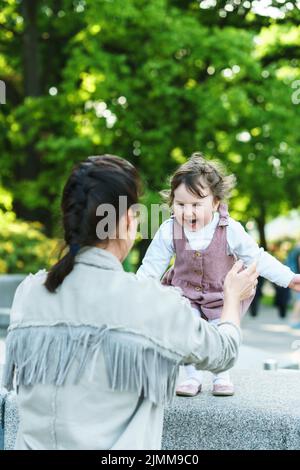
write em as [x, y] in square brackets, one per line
[152, 82]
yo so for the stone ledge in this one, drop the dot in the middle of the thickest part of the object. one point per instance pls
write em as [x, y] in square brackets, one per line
[8, 285]
[11, 421]
[3, 394]
[4, 317]
[264, 414]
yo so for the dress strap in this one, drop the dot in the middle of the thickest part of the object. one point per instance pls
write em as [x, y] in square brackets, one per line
[224, 214]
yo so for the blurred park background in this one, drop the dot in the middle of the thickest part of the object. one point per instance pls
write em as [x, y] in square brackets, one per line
[151, 81]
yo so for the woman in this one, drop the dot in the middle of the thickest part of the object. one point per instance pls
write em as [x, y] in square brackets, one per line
[95, 350]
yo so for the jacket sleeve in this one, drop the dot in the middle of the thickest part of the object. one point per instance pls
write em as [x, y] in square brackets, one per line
[207, 346]
[173, 323]
[213, 348]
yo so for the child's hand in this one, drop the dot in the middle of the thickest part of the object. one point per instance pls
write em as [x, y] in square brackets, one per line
[295, 284]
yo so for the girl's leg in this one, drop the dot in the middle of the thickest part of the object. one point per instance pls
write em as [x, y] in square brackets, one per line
[222, 384]
[193, 373]
[191, 386]
[222, 378]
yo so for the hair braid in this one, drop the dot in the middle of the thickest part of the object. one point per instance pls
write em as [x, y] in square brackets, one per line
[95, 181]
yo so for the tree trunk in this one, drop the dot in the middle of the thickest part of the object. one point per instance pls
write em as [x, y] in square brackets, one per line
[30, 169]
[30, 48]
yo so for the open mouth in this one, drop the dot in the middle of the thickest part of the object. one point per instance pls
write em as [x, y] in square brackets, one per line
[191, 222]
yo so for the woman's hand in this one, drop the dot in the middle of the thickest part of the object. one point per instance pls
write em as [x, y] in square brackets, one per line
[240, 285]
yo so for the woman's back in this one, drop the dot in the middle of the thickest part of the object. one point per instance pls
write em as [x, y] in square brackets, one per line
[86, 353]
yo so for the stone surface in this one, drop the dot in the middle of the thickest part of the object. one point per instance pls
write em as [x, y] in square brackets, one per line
[8, 285]
[264, 413]
[11, 421]
[3, 394]
[4, 317]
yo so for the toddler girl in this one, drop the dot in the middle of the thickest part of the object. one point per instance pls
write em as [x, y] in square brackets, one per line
[206, 242]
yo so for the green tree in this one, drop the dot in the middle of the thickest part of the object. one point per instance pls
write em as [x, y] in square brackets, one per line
[152, 82]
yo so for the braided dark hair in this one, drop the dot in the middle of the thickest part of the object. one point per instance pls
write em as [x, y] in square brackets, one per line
[95, 181]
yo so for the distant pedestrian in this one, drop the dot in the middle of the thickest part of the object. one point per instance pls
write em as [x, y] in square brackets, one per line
[282, 299]
[256, 299]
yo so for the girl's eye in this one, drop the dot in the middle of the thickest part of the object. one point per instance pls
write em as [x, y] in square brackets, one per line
[197, 204]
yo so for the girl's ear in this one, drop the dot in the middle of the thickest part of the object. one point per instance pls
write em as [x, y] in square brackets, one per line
[172, 208]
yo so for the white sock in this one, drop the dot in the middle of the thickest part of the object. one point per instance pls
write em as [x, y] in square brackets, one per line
[193, 373]
[222, 379]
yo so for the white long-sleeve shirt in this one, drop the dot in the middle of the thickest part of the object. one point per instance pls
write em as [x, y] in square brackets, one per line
[240, 244]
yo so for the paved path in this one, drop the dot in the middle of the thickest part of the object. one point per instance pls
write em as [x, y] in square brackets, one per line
[268, 336]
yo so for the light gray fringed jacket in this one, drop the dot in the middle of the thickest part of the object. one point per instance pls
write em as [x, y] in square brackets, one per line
[95, 363]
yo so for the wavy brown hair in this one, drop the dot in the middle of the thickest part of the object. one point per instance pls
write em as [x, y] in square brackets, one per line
[197, 174]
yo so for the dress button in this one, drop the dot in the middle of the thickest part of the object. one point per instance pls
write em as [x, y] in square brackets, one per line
[196, 271]
[197, 253]
[198, 288]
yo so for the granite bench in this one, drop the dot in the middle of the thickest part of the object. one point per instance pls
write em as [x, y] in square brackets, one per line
[3, 394]
[263, 414]
[8, 285]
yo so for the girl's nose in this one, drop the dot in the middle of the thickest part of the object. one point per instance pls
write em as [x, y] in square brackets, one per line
[189, 210]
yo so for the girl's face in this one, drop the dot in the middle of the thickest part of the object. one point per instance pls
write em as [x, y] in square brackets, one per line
[191, 211]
